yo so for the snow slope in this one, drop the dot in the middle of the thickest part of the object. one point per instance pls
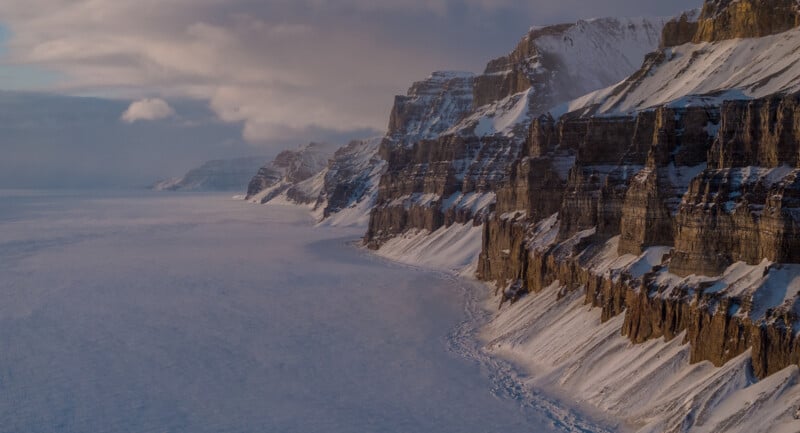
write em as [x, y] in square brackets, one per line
[558, 346]
[563, 346]
[587, 56]
[702, 74]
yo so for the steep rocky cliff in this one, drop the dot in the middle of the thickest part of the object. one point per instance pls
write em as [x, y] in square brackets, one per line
[431, 107]
[674, 246]
[680, 213]
[729, 19]
[438, 176]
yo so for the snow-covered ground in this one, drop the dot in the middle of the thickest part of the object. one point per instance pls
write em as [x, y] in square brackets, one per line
[557, 349]
[200, 313]
[564, 348]
[703, 74]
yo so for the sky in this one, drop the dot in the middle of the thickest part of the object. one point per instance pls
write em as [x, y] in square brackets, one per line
[273, 73]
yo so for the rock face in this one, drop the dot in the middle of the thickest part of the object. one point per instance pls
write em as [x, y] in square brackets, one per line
[680, 30]
[289, 168]
[650, 203]
[516, 72]
[679, 140]
[447, 158]
[337, 186]
[681, 215]
[745, 206]
[730, 19]
[218, 175]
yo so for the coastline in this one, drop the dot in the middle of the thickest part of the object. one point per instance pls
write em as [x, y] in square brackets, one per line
[511, 378]
[552, 351]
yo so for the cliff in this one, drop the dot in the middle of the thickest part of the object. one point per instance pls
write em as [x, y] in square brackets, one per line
[632, 191]
[652, 202]
[730, 19]
[679, 215]
[437, 176]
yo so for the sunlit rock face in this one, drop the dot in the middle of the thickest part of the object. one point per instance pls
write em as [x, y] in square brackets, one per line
[731, 19]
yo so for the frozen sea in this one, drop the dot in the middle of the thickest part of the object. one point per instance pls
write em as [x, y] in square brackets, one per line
[197, 313]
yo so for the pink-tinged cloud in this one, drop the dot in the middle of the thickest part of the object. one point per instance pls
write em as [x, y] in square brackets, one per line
[278, 65]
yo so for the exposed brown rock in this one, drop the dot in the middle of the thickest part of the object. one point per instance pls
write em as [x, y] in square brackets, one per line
[679, 31]
[748, 210]
[762, 132]
[730, 19]
[511, 74]
[680, 139]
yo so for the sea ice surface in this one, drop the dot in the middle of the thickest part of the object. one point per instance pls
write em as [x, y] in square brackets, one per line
[199, 313]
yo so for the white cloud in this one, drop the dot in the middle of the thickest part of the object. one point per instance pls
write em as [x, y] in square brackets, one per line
[147, 109]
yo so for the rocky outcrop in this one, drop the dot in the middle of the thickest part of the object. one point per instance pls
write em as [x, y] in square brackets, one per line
[438, 182]
[730, 19]
[288, 169]
[565, 61]
[680, 30]
[745, 206]
[605, 162]
[738, 214]
[763, 132]
[518, 71]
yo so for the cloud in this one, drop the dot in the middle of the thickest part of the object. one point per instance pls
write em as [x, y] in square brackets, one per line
[278, 65]
[147, 109]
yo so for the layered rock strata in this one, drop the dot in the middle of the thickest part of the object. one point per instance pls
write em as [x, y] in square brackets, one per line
[731, 19]
[682, 219]
[437, 177]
